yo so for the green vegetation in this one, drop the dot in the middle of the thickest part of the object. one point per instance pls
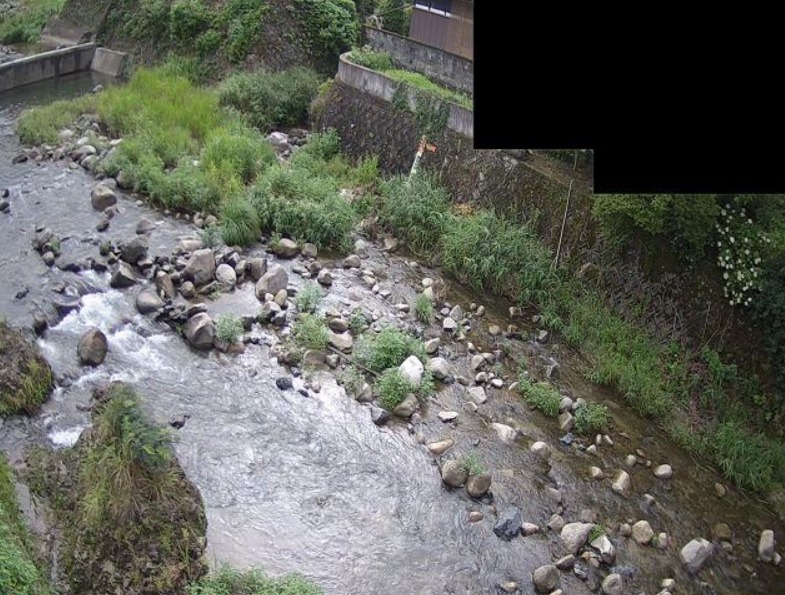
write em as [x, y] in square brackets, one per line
[330, 26]
[227, 581]
[423, 309]
[381, 62]
[42, 124]
[591, 418]
[392, 388]
[596, 531]
[270, 100]
[240, 223]
[396, 15]
[25, 24]
[418, 211]
[25, 377]
[388, 349]
[357, 323]
[749, 460]
[310, 332]
[120, 496]
[472, 463]
[352, 380]
[18, 571]
[211, 236]
[228, 328]
[540, 395]
[309, 297]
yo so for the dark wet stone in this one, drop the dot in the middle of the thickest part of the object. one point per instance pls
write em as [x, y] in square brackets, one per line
[283, 383]
[509, 523]
[303, 392]
[22, 293]
[379, 416]
[179, 421]
[5, 206]
[567, 439]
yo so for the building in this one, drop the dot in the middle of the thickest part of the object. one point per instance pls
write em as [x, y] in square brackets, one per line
[445, 24]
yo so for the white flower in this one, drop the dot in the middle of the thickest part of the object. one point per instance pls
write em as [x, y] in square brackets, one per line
[747, 250]
[727, 206]
[724, 212]
[757, 260]
[732, 240]
[725, 275]
[749, 221]
[719, 244]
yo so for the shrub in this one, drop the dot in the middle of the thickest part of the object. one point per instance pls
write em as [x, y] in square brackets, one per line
[188, 19]
[241, 21]
[357, 322]
[239, 222]
[488, 252]
[211, 236]
[591, 418]
[370, 58]
[270, 100]
[227, 581]
[18, 572]
[308, 297]
[228, 328]
[392, 388]
[353, 380]
[388, 349]
[396, 15]
[41, 125]
[472, 464]
[310, 332]
[770, 311]
[418, 211]
[750, 460]
[540, 395]
[308, 208]
[423, 309]
[240, 151]
[331, 25]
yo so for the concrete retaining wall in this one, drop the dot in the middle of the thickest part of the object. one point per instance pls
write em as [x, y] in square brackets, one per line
[448, 69]
[39, 67]
[108, 62]
[376, 84]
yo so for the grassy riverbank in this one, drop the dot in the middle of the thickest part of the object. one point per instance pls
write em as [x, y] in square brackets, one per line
[701, 402]
[18, 571]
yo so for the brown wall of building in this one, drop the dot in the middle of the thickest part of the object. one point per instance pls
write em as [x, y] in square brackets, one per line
[453, 34]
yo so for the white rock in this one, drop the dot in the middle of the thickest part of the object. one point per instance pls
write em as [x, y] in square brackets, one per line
[574, 535]
[663, 472]
[506, 433]
[446, 416]
[477, 394]
[766, 546]
[412, 369]
[621, 485]
[541, 449]
[695, 554]
[642, 532]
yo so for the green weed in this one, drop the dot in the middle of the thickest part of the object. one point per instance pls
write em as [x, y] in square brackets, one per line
[388, 349]
[309, 297]
[472, 463]
[540, 395]
[310, 332]
[41, 125]
[228, 581]
[423, 309]
[392, 388]
[240, 224]
[228, 328]
[591, 418]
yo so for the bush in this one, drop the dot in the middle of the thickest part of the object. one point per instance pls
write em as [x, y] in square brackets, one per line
[687, 221]
[269, 100]
[423, 309]
[240, 224]
[388, 349]
[396, 15]
[418, 211]
[321, 156]
[188, 19]
[18, 572]
[228, 328]
[770, 311]
[490, 253]
[25, 376]
[331, 26]
[540, 395]
[308, 297]
[370, 58]
[41, 125]
[392, 388]
[310, 332]
[308, 208]
[750, 460]
[357, 322]
[227, 581]
[472, 464]
[591, 418]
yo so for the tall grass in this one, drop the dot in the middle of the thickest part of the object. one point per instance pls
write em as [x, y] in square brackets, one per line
[25, 24]
[18, 572]
[388, 349]
[269, 100]
[228, 581]
[41, 124]
[418, 211]
[540, 395]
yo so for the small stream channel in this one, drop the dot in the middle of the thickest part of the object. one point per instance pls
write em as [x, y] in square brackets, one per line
[310, 484]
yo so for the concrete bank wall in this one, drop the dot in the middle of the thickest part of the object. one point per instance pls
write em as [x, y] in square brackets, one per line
[376, 84]
[40, 67]
[448, 69]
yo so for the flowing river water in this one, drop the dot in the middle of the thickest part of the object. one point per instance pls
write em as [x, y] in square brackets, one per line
[310, 484]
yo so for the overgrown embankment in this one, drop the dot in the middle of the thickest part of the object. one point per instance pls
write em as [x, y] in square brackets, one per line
[25, 376]
[19, 573]
[130, 519]
[217, 36]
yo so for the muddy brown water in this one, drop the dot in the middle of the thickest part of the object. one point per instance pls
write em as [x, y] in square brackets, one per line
[310, 484]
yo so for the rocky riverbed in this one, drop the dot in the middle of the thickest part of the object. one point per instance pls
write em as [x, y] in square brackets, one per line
[298, 474]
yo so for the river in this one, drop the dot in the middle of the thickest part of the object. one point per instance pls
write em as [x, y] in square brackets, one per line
[310, 484]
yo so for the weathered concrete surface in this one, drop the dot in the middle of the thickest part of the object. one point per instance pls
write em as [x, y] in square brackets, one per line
[108, 61]
[40, 67]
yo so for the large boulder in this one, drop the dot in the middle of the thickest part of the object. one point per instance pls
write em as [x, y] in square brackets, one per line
[134, 251]
[199, 330]
[407, 407]
[546, 578]
[286, 248]
[477, 485]
[165, 285]
[605, 548]
[92, 347]
[695, 554]
[201, 267]
[412, 369]
[454, 473]
[574, 535]
[642, 532]
[102, 197]
[273, 281]
[148, 301]
[257, 267]
[226, 275]
[122, 276]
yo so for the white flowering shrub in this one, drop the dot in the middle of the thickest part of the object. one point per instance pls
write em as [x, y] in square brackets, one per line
[739, 246]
